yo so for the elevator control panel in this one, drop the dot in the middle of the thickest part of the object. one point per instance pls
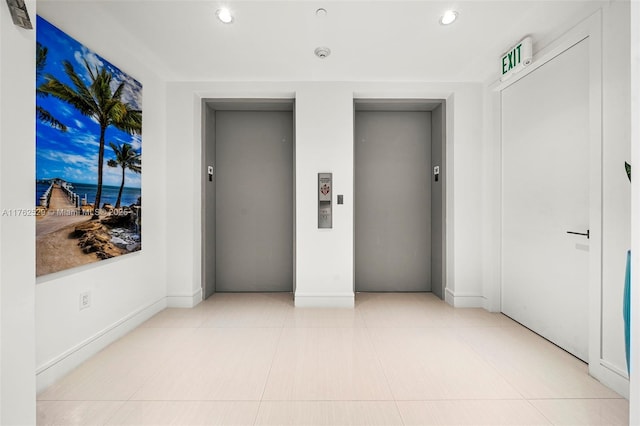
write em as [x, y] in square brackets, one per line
[325, 194]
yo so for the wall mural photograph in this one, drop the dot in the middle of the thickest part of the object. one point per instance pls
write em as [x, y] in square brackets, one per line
[88, 155]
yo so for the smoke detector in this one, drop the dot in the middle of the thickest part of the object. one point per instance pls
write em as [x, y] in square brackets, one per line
[322, 52]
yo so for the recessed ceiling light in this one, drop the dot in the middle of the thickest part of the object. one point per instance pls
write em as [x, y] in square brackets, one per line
[449, 17]
[321, 12]
[224, 15]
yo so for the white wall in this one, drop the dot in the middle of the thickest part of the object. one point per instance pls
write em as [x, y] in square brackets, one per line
[17, 268]
[616, 213]
[324, 143]
[634, 53]
[1, 204]
[126, 290]
[609, 366]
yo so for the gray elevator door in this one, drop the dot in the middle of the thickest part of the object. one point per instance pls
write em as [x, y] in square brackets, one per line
[392, 201]
[254, 201]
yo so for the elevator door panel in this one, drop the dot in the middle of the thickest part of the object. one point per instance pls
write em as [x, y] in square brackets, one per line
[392, 201]
[254, 201]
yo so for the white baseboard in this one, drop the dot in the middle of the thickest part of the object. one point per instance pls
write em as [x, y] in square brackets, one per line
[62, 364]
[464, 300]
[185, 301]
[611, 376]
[322, 300]
[449, 298]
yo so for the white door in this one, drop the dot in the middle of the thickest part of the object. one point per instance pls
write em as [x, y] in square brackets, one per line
[545, 184]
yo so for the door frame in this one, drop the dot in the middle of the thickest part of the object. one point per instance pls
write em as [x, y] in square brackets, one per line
[591, 29]
[236, 104]
[366, 103]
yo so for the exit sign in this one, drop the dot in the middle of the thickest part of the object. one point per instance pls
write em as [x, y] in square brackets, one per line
[516, 58]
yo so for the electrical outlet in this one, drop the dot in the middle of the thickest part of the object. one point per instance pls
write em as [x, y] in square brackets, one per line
[85, 300]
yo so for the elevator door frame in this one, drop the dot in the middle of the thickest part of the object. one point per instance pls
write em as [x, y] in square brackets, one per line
[438, 136]
[209, 108]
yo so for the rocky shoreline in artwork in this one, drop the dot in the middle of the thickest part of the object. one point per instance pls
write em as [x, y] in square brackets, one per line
[68, 238]
[111, 236]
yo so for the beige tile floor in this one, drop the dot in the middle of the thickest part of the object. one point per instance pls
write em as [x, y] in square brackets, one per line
[396, 359]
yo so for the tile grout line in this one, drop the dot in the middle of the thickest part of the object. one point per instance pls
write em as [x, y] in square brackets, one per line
[266, 381]
[489, 365]
[122, 404]
[157, 370]
[539, 412]
[379, 361]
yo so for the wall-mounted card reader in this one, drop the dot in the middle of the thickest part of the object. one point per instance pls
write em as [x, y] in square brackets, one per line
[210, 173]
[436, 173]
[325, 193]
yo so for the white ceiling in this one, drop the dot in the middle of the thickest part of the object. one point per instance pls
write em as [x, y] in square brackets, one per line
[369, 40]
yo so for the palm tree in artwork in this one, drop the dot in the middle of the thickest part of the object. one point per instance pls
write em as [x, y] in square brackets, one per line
[99, 101]
[44, 115]
[127, 158]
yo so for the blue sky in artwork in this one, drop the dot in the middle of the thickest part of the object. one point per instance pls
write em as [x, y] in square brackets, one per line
[73, 155]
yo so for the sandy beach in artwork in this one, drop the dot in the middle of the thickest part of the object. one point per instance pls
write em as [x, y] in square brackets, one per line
[59, 250]
[66, 236]
[56, 247]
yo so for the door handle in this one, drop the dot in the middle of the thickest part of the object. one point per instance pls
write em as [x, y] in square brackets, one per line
[584, 234]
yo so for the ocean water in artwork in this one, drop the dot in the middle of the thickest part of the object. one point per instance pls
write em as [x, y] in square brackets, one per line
[85, 191]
